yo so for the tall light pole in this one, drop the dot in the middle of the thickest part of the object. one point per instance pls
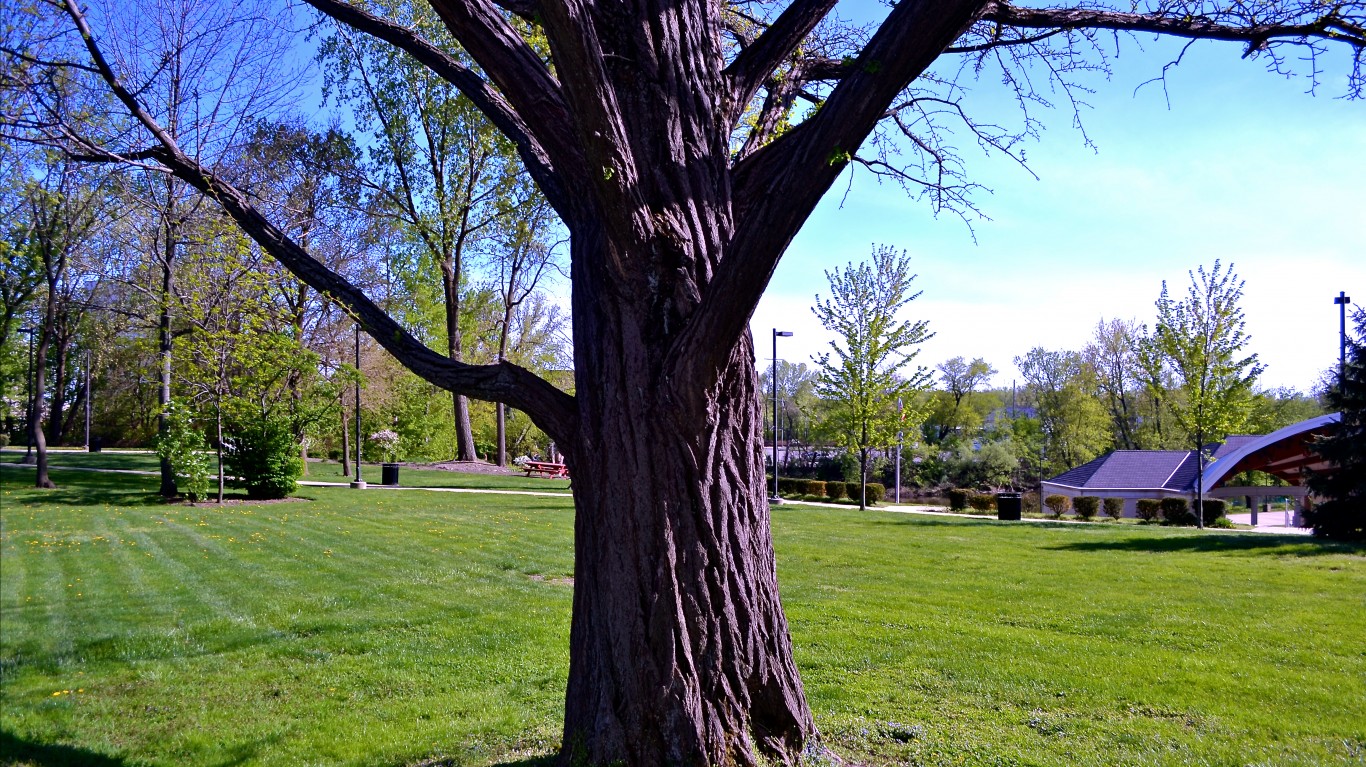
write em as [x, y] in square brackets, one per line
[28, 397]
[773, 373]
[88, 405]
[1342, 300]
[358, 483]
[900, 422]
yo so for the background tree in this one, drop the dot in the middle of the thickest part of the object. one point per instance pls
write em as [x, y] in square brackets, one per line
[1204, 341]
[872, 352]
[64, 205]
[1073, 421]
[1343, 514]
[1112, 355]
[630, 127]
[960, 380]
[437, 168]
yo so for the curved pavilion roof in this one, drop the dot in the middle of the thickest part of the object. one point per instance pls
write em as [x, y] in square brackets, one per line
[1283, 453]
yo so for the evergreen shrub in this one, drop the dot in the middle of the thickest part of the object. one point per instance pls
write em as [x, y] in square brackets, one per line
[1177, 511]
[1114, 508]
[981, 501]
[1086, 507]
[958, 499]
[814, 487]
[1148, 509]
[834, 490]
[1214, 509]
[1057, 504]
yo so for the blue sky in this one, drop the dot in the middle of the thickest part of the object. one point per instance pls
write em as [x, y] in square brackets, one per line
[1244, 167]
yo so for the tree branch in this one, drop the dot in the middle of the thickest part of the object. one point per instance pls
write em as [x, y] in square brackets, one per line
[551, 409]
[1329, 26]
[757, 61]
[803, 163]
[543, 149]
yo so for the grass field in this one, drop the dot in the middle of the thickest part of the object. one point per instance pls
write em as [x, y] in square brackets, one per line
[321, 471]
[395, 628]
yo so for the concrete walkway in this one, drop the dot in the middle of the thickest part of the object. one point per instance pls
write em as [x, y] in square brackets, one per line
[1268, 522]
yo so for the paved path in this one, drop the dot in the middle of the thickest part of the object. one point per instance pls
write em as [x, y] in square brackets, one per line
[1269, 522]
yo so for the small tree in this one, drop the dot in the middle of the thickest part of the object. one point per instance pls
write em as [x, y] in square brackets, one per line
[1343, 514]
[264, 455]
[182, 447]
[869, 371]
[1203, 340]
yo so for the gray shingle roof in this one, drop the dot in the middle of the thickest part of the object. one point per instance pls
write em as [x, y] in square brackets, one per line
[1130, 469]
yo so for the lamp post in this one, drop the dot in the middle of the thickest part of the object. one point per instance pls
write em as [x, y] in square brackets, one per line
[773, 372]
[88, 399]
[900, 421]
[1342, 300]
[358, 483]
[28, 397]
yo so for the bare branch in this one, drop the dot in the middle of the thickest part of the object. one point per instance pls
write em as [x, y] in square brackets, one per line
[758, 61]
[536, 155]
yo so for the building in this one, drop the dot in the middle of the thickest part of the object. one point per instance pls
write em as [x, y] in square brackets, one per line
[1135, 474]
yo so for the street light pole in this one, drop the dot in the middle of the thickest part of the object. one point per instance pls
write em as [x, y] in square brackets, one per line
[1342, 300]
[773, 373]
[28, 397]
[87, 400]
[358, 483]
[900, 421]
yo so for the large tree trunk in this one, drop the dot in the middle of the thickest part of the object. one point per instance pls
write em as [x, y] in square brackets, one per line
[679, 652]
[679, 649]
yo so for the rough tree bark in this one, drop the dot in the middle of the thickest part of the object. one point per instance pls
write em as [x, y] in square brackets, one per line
[679, 651]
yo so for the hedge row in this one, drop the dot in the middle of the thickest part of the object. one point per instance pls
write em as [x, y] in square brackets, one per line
[834, 491]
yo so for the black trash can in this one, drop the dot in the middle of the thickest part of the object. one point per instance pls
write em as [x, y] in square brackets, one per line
[389, 474]
[96, 445]
[1009, 505]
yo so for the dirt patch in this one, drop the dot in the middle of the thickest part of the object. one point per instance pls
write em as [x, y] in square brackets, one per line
[238, 501]
[466, 467]
[552, 581]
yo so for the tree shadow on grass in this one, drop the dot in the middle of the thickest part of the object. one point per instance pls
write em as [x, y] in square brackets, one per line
[83, 488]
[1273, 545]
[16, 750]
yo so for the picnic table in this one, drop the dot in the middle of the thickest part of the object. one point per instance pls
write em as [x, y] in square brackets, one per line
[546, 469]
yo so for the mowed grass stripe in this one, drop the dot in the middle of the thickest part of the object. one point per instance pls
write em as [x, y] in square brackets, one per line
[920, 640]
[1057, 641]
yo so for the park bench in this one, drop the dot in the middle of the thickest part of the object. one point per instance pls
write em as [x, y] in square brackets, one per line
[546, 469]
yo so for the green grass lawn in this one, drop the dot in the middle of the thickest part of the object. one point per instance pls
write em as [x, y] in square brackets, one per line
[393, 628]
[319, 471]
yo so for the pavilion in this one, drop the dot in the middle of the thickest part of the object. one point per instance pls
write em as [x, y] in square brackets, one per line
[1136, 474]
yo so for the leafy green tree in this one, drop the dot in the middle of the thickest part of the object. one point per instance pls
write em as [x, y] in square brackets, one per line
[438, 170]
[870, 368]
[1075, 425]
[1112, 355]
[1204, 341]
[1343, 514]
[952, 409]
